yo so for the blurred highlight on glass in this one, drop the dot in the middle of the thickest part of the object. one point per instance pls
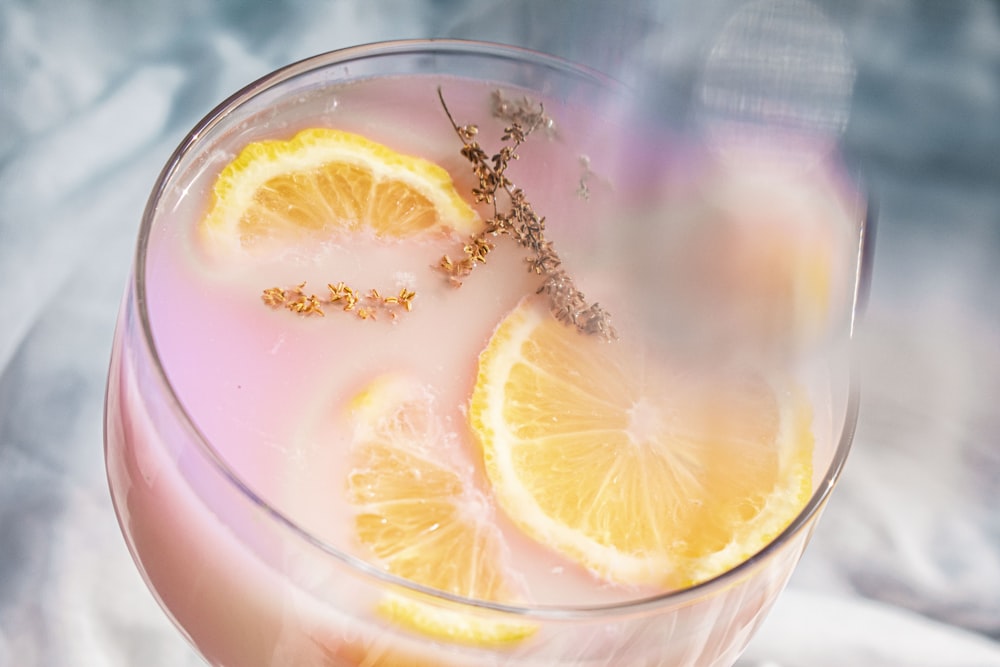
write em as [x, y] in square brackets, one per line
[756, 97]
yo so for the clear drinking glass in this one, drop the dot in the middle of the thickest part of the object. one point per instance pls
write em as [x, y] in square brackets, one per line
[248, 583]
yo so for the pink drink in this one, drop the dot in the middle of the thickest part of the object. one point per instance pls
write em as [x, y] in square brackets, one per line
[247, 542]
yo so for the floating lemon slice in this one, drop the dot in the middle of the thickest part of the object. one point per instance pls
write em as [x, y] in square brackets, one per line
[323, 182]
[752, 263]
[421, 517]
[645, 478]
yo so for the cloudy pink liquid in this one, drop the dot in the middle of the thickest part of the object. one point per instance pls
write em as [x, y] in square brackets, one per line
[268, 390]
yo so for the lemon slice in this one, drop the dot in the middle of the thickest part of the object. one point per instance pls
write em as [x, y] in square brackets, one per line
[753, 263]
[323, 182]
[644, 477]
[420, 516]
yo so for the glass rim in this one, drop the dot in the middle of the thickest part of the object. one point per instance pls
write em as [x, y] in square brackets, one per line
[456, 48]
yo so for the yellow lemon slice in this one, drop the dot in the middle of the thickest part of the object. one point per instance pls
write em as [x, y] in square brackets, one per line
[644, 477]
[322, 182]
[420, 515]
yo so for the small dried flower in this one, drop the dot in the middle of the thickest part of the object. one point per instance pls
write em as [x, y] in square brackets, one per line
[478, 248]
[524, 114]
[406, 297]
[306, 305]
[274, 297]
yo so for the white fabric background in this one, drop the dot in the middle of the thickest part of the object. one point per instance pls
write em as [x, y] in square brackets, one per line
[905, 567]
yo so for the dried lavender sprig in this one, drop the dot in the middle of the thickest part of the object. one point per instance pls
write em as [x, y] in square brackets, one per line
[520, 221]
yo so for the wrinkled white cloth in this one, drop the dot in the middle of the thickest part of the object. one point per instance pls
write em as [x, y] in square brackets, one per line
[905, 565]
[808, 629]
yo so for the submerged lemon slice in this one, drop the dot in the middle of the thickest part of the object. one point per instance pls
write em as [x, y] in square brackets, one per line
[325, 181]
[421, 517]
[644, 477]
